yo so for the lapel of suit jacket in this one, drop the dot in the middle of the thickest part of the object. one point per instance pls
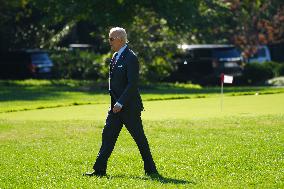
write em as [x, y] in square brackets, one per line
[112, 64]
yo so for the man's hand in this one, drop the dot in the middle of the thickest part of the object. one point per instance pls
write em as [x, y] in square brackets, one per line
[117, 108]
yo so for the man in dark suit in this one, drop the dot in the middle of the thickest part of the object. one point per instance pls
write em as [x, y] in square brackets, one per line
[126, 105]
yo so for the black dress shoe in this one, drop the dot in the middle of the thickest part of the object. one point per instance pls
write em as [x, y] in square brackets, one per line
[95, 173]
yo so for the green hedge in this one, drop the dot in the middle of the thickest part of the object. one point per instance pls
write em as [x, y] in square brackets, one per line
[80, 65]
[256, 73]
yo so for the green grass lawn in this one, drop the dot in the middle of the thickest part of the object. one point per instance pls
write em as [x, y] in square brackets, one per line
[194, 143]
[40, 94]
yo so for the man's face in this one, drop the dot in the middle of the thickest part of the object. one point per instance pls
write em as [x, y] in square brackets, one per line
[115, 41]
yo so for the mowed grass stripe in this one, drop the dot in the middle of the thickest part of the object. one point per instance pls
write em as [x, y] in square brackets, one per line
[171, 109]
[40, 94]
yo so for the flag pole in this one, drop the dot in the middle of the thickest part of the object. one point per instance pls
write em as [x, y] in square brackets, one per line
[221, 103]
[221, 99]
[224, 79]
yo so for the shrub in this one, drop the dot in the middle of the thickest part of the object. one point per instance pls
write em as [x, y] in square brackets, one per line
[280, 69]
[256, 73]
[79, 65]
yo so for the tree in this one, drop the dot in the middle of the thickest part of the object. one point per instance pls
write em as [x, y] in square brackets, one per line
[257, 22]
[8, 16]
[155, 27]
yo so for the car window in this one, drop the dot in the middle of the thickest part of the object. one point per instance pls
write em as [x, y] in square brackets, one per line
[199, 53]
[226, 53]
[39, 56]
[261, 52]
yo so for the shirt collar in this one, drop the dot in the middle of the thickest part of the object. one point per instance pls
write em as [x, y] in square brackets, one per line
[120, 51]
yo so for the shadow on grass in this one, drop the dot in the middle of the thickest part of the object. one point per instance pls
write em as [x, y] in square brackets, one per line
[159, 178]
[45, 90]
[166, 180]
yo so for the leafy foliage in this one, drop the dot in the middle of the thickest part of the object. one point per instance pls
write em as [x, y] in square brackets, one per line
[256, 22]
[155, 27]
[154, 43]
[80, 65]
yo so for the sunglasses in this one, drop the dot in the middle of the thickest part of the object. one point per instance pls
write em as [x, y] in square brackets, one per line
[112, 38]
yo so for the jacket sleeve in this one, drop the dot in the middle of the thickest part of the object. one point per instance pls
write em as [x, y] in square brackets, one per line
[132, 80]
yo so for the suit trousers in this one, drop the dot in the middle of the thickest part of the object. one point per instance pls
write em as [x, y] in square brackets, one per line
[133, 123]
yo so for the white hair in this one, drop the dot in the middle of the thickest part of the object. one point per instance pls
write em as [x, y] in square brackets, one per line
[121, 33]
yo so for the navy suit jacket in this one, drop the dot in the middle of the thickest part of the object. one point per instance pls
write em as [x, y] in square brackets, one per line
[123, 78]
